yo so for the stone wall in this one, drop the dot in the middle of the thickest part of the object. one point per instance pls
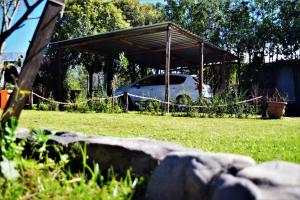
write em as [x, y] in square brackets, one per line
[177, 173]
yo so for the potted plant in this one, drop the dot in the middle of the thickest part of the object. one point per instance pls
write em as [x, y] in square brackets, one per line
[276, 105]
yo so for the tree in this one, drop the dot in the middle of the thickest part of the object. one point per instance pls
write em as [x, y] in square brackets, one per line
[84, 18]
[91, 17]
[138, 14]
[289, 28]
[8, 10]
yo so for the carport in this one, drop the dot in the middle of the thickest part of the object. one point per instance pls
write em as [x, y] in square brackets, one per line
[158, 46]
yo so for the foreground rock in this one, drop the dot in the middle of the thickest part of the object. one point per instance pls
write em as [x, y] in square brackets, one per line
[275, 179]
[188, 175]
[178, 173]
[139, 154]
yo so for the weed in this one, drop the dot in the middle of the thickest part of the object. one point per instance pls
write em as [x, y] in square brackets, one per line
[51, 180]
[9, 148]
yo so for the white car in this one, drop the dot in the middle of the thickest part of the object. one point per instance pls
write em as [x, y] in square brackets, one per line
[154, 87]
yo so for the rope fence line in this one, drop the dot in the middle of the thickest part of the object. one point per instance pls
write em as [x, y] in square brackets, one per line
[76, 103]
[182, 105]
[141, 97]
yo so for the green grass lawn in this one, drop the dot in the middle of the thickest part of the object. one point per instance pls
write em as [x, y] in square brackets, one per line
[261, 139]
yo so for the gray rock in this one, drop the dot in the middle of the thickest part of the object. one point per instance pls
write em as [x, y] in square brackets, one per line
[180, 173]
[142, 155]
[23, 133]
[274, 173]
[67, 137]
[228, 187]
[69, 134]
[276, 179]
[187, 175]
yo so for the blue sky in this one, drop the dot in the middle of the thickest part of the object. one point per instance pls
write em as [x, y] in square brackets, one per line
[19, 40]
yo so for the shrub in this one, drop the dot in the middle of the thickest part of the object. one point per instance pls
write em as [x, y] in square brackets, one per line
[226, 103]
[152, 107]
[42, 106]
[45, 106]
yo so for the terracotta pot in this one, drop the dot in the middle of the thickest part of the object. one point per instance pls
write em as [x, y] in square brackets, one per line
[276, 109]
[4, 95]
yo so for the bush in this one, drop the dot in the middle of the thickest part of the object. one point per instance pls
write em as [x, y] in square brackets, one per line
[47, 106]
[98, 106]
[101, 106]
[226, 103]
[152, 107]
[42, 106]
[222, 104]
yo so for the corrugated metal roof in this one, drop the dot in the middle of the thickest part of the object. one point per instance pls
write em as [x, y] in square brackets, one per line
[145, 46]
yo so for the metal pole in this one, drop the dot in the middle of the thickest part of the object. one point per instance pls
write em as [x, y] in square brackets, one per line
[201, 64]
[167, 69]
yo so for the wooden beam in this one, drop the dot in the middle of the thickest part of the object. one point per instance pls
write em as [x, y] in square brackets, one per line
[201, 65]
[33, 60]
[109, 36]
[167, 69]
[176, 48]
[134, 44]
[186, 33]
[89, 51]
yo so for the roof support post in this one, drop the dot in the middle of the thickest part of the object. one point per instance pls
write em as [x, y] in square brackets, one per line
[59, 58]
[33, 60]
[109, 62]
[201, 64]
[167, 69]
[223, 73]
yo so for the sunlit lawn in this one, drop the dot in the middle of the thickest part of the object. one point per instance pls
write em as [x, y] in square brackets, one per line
[261, 139]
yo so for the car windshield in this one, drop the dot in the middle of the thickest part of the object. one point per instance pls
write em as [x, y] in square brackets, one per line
[196, 79]
[154, 80]
[174, 79]
[160, 80]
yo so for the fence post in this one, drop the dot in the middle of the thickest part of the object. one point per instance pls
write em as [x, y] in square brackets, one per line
[31, 100]
[126, 102]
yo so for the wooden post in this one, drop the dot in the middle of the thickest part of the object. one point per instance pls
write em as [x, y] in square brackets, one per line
[109, 71]
[33, 60]
[59, 74]
[223, 73]
[126, 102]
[30, 100]
[167, 69]
[113, 96]
[201, 64]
